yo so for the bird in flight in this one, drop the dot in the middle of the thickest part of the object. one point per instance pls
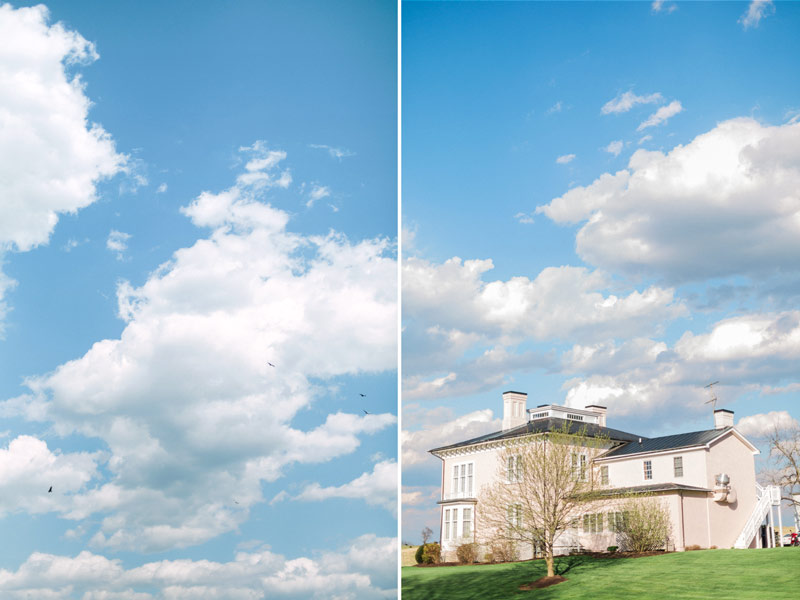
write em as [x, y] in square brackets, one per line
[366, 412]
[270, 364]
[362, 395]
[50, 491]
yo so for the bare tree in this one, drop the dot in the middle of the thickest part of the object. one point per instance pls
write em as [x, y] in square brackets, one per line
[426, 535]
[784, 451]
[543, 481]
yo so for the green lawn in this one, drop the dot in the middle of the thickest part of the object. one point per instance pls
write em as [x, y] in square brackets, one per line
[769, 574]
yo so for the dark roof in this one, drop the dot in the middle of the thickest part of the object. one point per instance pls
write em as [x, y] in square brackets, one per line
[668, 442]
[653, 487]
[545, 425]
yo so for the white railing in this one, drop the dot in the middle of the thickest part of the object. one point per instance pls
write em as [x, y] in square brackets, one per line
[756, 518]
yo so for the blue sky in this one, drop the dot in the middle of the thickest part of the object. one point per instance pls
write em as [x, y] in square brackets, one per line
[190, 192]
[599, 205]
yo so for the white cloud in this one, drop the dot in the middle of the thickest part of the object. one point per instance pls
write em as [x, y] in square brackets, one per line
[645, 138]
[661, 5]
[748, 353]
[765, 423]
[338, 153]
[556, 108]
[317, 193]
[51, 155]
[161, 188]
[662, 115]
[440, 428]
[117, 242]
[524, 218]
[739, 182]
[566, 158]
[192, 414]
[756, 10]
[344, 573]
[614, 147]
[378, 487]
[626, 101]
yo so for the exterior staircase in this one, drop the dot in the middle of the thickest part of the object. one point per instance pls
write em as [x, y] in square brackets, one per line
[751, 528]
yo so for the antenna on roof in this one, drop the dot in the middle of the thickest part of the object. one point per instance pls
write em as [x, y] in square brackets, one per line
[713, 400]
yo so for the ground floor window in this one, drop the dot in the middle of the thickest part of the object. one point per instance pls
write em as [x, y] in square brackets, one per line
[447, 524]
[466, 522]
[593, 523]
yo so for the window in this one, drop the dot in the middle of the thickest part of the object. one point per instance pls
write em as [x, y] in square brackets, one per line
[593, 523]
[604, 475]
[514, 515]
[648, 469]
[616, 521]
[514, 468]
[466, 522]
[579, 466]
[463, 477]
[678, 464]
[447, 524]
[574, 417]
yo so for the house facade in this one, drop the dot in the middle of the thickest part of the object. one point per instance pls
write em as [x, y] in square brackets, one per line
[705, 479]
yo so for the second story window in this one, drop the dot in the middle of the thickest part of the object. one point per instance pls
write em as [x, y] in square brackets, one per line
[648, 469]
[579, 466]
[678, 464]
[513, 468]
[462, 481]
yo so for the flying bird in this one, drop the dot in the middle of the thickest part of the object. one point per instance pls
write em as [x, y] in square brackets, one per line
[365, 412]
[50, 491]
[270, 364]
[362, 395]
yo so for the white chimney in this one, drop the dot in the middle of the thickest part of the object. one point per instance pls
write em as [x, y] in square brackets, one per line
[514, 409]
[601, 413]
[723, 418]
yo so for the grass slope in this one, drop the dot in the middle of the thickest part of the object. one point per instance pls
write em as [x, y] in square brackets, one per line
[768, 574]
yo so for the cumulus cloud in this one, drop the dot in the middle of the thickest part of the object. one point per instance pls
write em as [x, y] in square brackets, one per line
[51, 156]
[747, 353]
[626, 101]
[378, 487]
[439, 428]
[756, 10]
[184, 399]
[251, 575]
[739, 182]
[566, 158]
[661, 5]
[556, 108]
[117, 242]
[662, 115]
[614, 147]
[765, 423]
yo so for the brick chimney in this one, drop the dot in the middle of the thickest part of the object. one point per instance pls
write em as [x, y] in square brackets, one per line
[723, 418]
[601, 413]
[514, 409]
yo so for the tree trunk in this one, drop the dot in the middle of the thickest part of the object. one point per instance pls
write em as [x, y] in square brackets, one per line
[548, 558]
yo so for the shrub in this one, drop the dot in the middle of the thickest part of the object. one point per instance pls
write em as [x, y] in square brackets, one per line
[431, 553]
[693, 547]
[645, 525]
[418, 554]
[612, 549]
[488, 557]
[467, 553]
[504, 551]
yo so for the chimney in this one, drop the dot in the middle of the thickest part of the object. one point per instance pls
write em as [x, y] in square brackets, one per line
[601, 413]
[723, 418]
[514, 409]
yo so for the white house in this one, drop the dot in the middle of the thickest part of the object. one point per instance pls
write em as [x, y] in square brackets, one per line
[706, 479]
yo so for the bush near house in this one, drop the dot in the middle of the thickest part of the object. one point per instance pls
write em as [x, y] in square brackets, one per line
[428, 554]
[467, 553]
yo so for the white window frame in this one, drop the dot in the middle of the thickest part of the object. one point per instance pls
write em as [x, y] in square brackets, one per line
[515, 515]
[463, 481]
[579, 462]
[466, 522]
[604, 475]
[677, 466]
[513, 468]
[447, 523]
[647, 466]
